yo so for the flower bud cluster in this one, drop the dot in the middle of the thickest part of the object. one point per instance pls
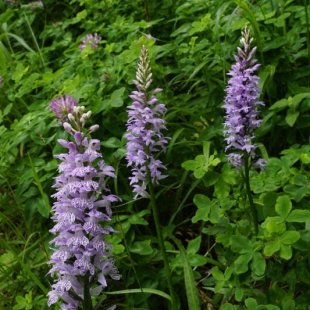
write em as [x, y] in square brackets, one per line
[82, 257]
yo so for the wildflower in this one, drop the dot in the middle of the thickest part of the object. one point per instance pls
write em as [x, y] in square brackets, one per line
[90, 40]
[62, 107]
[1, 81]
[144, 128]
[12, 2]
[36, 4]
[241, 104]
[82, 257]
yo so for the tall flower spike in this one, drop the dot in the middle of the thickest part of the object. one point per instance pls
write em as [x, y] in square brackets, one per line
[82, 257]
[241, 104]
[144, 127]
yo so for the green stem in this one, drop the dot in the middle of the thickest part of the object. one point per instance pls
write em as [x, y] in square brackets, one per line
[34, 40]
[87, 304]
[248, 189]
[160, 238]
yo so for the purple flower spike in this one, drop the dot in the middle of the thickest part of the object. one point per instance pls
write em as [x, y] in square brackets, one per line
[82, 257]
[144, 128]
[241, 104]
[91, 39]
[62, 106]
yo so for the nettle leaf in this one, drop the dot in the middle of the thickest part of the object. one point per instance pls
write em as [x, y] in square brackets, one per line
[289, 237]
[241, 244]
[299, 216]
[283, 206]
[272, 247]
[258, 265]
[291, 116]
[241, 263]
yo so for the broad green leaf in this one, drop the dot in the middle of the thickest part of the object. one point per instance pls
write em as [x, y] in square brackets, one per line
[217, 274]
[112, 143]
[227, 306]
[283, 206]
[194, 245]
[289, 305]
[221, 189]
[241, 263]
[116, 100]
[289, 237]
[258, 264]
[285, 251]
[279, 105]
[19, 72]
[142, 247]
[239, 293]
[272, 247]
[291, 117]
[204, 206]
[135, 219]
[251, 304]
[241, 244]
[299, 216]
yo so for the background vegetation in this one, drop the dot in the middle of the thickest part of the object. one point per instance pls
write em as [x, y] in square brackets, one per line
[203, 207]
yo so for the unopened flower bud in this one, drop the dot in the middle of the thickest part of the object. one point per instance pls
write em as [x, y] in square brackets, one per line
[68, 128]
[71, 117]
[93, 128]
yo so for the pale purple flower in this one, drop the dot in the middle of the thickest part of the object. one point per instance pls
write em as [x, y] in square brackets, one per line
[241, 103]
[1, 81]
[144, 126]
[90, 40]
[36, 4]
[62, 106]
[83, 202]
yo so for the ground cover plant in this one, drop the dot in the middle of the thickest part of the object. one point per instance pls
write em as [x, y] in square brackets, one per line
[180, 179]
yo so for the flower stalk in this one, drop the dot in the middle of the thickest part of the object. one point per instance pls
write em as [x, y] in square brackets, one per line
[145, 140]
[82, 257]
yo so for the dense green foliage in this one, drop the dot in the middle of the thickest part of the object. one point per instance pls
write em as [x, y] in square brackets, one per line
[203, 205]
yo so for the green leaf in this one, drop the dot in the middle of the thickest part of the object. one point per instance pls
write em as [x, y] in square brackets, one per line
[251, 304]
[241, 263]
[258, 264]
[299, 216]
[204, 206]
[19, 72]
[221, 189]
[142, 247]
[239, 293]
[190, 284]
[291, 117]
[241, 244]
[217, 274]
[289, 237]
[283, 206]
[289, 305]
[285, 251]
[279, 105]
[272, 247]
[112, 143]
[116, 100]
[194, 245]
[138, 291]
